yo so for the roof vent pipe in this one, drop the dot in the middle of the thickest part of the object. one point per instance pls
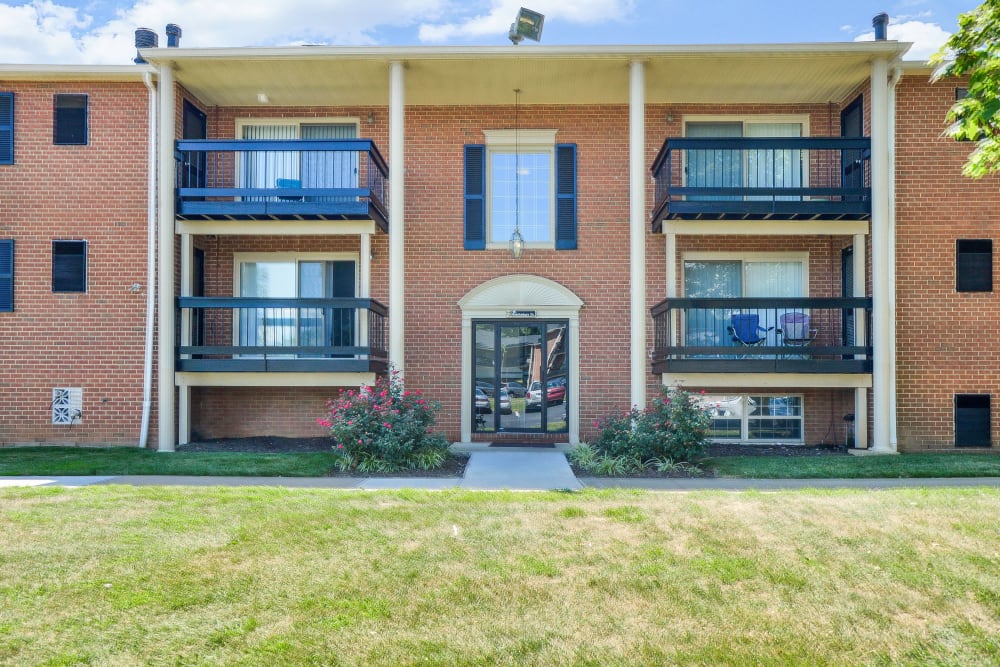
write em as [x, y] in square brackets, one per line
[144, 39]
[173, 35]
[881, 25]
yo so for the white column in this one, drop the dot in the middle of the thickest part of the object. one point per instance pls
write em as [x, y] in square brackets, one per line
[364, 285]
[860, 333]
[881, 258]
[397, 340]
[184, 392]
[672, 292]
[637, 230]
[166, 438]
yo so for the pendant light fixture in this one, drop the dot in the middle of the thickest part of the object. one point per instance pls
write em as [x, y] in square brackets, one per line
[516, 244]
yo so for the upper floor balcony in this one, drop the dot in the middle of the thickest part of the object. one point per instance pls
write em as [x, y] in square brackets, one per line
[762, 335]
[741, 178]
[317, 179]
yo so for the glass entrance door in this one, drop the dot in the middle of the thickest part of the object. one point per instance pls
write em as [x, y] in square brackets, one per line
[520, 377]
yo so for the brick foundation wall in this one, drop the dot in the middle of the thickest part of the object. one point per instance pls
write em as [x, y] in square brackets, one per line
[97, 193]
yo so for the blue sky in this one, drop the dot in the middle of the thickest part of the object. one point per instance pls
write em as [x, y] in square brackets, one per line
[101, 31]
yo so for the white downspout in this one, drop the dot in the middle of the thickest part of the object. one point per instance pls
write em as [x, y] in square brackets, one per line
[147, 357]
[397, 209]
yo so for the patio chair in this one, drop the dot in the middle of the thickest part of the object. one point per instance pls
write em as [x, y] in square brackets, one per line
[745, 329]
[794, 329]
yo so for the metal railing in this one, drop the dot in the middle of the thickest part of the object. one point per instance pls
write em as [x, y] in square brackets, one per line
[280, 179]
[766, 335]
[257, 334]
[746, 178]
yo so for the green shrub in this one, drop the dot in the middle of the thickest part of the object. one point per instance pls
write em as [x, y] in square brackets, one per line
[673, 429]
[383, 428]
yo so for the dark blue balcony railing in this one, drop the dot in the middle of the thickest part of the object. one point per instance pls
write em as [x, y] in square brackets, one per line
[287, 335]
[789, 178]
[317, 179]
[762, 335]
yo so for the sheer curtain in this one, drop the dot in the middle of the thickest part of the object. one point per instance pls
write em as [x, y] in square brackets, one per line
[774, 168]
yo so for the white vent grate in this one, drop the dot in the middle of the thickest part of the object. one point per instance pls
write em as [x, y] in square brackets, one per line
[67, 405]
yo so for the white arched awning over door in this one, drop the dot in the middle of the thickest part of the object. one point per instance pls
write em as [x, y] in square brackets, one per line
[513, 297]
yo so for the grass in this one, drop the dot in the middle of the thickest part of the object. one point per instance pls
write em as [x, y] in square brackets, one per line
[252, 576]
[132, 461]
[825, 467]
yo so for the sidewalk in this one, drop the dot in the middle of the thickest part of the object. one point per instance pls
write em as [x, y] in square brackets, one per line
[511, 470]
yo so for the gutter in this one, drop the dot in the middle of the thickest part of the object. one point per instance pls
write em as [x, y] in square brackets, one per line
[894, 78]
[151, 180]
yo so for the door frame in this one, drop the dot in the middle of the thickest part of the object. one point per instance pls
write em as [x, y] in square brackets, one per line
[509, 298]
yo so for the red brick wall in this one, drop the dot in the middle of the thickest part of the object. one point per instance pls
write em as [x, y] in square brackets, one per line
[235, 412]
[945, 341]
[96, 193]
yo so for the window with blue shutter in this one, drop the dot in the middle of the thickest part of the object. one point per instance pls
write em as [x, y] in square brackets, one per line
[566, 197]
[6, 275]
[490, 220]
[6, 128]
[475, 197]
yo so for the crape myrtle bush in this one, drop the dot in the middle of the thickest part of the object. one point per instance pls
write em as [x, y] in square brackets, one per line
[673, 429]
[384, 427]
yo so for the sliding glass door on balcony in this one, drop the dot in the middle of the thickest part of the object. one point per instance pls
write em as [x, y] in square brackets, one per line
[294, 170]
[737, 168]
[733, 279]
[305, 326]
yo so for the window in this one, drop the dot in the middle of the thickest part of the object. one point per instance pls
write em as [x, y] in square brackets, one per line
[974, 265]
[70, 123]
[760, 168]
[6, 275]
[297, 278]
[69, 266]
[972, 420]
[720, 276]
[527, 181]
[755, 418]
[6, 128]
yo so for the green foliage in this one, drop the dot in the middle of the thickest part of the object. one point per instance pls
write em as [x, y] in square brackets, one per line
[673, 429]
[384, 428]
[974, 52]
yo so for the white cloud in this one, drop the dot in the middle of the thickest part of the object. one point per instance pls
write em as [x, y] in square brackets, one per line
[46, 32]
[498, 16]
[926, 37]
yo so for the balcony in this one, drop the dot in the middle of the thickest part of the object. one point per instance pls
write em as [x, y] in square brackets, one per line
[789, 178]
[240, 334]
[335, 179]
[762, 335]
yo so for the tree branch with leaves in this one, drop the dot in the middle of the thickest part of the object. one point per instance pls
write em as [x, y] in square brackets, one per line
[974, 52]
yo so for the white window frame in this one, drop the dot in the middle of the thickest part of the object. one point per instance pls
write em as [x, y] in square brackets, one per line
[751, 119]
[296, 257]
[745, 419]
[522, 141]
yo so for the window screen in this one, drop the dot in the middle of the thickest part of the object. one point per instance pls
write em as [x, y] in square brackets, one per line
[69, 266]
[70, 124]
[974, 265]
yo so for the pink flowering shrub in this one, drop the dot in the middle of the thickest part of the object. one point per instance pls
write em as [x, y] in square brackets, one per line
[673, 428]
[383, 428]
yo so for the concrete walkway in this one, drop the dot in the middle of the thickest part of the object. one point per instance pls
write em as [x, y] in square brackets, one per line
[521, 470]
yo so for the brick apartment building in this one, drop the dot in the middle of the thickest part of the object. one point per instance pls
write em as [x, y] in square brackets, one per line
[780, 226]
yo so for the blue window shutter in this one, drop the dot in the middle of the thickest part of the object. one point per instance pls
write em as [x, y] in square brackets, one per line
[6, 275]
[6, 128]
[475, 197]
[566, 197]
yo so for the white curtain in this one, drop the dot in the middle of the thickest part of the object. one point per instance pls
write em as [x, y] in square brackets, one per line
[263, 169]
[774, 168]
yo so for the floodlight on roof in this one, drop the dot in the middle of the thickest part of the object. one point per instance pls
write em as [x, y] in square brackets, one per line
[527, 24]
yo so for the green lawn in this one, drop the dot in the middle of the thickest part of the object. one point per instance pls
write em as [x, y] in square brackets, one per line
[132, 461]
[253, 576]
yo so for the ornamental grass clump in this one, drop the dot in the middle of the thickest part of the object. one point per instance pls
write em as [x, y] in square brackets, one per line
[383, 428]
[672, 431]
